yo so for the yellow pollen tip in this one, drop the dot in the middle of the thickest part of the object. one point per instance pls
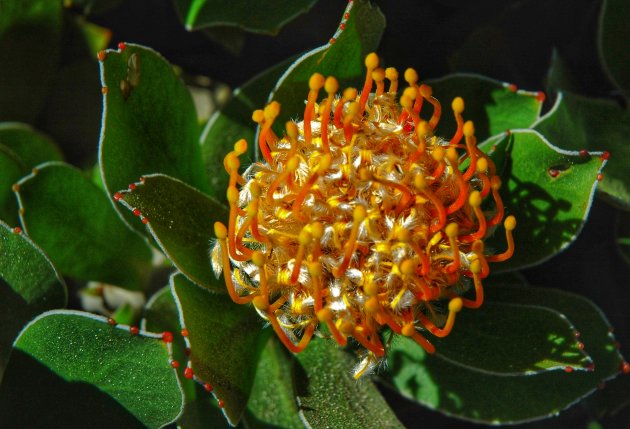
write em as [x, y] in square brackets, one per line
[324, 164]
[305, 237]
[346, 328]
[371, 61]
[469, 129]
[475, 266]
[451, 230]
[220, 231]
[378, 75]
[272, 110]
[458, 105]
[420, 182]
[451, 155]
[423, 129]
[411, 76]
[391, 73]
[324, 315]
[474, 199]
[232, 195]
[315, 269]
[316, 82]
[478, 246]
[408, 329]
[292, 129]
[482, 165]
[261, 303]
[350, 93]
[293, 163]
[240, 147]
[331, 86]
[258, 116]
[510, 223]
[359, 213]
[496, 183]
[455, 305]
[317, 230]
[426, 91]
[408, 267]
[259, 258]
[410, 92]
[232, 162]
[406, 101]
[371, 305]
[370, 289]
[438, 153]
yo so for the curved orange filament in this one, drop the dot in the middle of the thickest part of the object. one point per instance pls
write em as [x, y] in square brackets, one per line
[359, 216]
[252, 213]
[349, 94]
[454, 307]
[472, 167]
[478, 248]
[290, 167]
[221, 232]
[426, 92]
[277, 304]
[371, 63]
[475, 267]
[406, 198]
[378, 76]
[324, 164]
[451, 232]
[306, 337]
[270, 113]
[232, 197]
[422, 186]
[509, 224]
[498, 201]
[304, 240]
[423, 342]
[475, 202]
[375, 347]
[458, 108]
[462, 185]
[315, 83]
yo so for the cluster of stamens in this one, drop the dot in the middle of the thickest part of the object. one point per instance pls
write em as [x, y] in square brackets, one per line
[360, 217]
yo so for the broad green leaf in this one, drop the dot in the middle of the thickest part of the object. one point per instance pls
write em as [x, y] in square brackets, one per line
[613, 35]
[75, 368]
[181, 220]
[11, 169]
[234, 122]
[328, 396]
[72, 219]
[493, 106]
[225, 341]
[549, 190]
[494, 339]
[490, 398]
[250, 15]
[273, 402]
[343, 58]
[29, 285]
[149, 122]
[200, 407]
[30, 31]
[31, 146]
[576, 122]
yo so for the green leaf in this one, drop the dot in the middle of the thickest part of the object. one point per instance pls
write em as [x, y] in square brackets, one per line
[31, 146]
[234, 122]
[493, 106]
[250, 15]
[577, 122]
[30, 31]
[200, 408]
[613, 35]
[343, 59]
[550, 211]
[11, 169]
[328, 395]
[149, 121]
[72, 219]
[272, 402]
[225, 341]
[29, 285]
[74, 368]
[489, 398]
[181, 219]
[494, 339]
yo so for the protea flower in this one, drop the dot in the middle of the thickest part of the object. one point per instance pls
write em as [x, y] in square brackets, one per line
[361, 218]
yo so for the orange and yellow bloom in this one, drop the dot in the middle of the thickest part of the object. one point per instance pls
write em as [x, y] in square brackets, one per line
[360, 217]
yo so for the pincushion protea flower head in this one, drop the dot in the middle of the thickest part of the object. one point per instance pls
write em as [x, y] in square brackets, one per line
[360, 218]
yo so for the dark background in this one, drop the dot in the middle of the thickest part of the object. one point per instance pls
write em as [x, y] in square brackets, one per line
[509, 40]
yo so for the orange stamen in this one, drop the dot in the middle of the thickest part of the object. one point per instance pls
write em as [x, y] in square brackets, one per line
[509, 224]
